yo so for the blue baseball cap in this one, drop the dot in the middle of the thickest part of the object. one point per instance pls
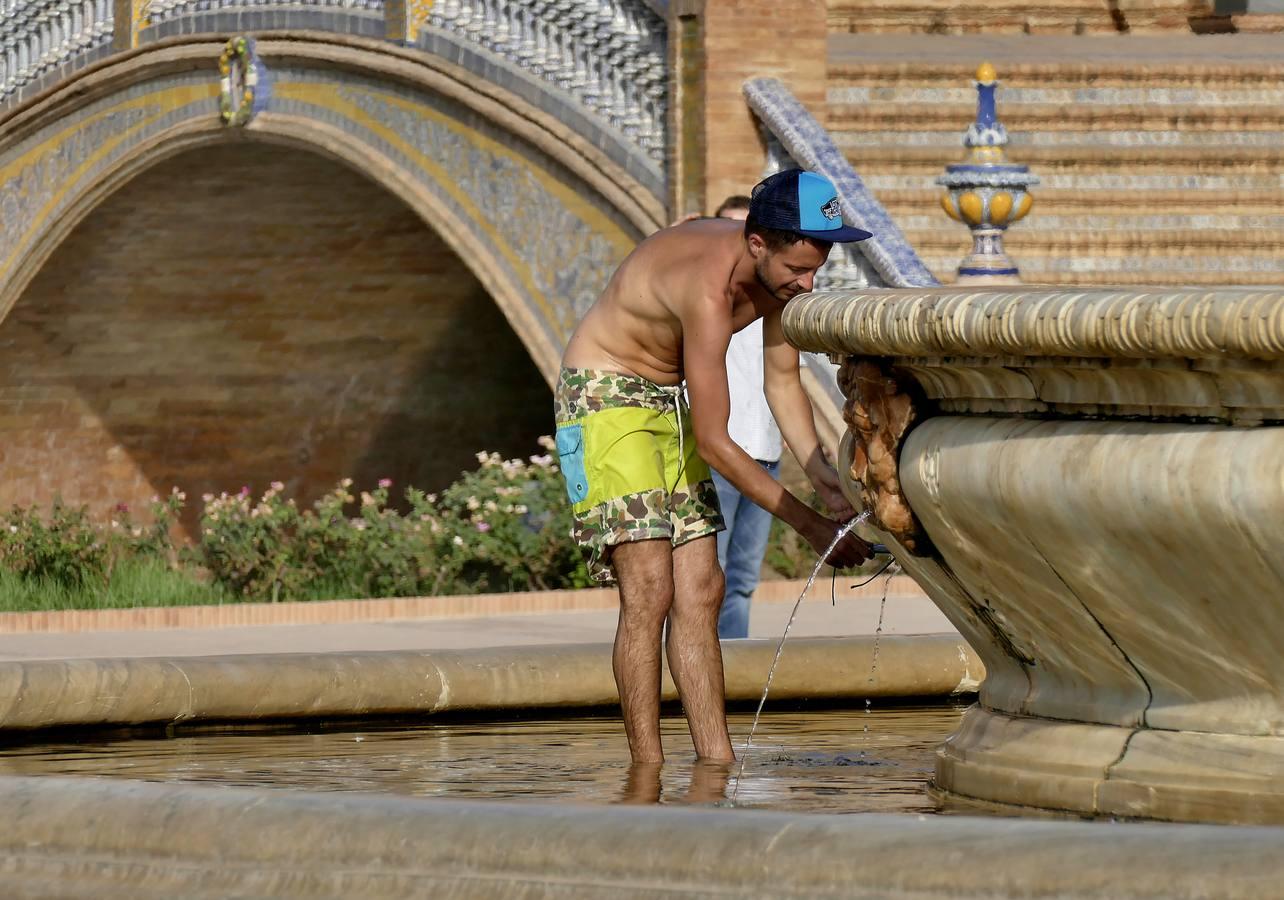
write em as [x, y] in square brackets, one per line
[804, 203]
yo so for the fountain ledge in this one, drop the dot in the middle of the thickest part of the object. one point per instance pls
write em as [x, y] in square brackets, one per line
[108, 838]
[1203, 353]
[140, 691]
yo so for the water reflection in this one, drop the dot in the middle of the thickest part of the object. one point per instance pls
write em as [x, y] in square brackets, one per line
[707, 786]
[642, 784]
[822, 761]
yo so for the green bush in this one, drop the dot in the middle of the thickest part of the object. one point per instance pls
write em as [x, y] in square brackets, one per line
[504, 526]
[70, 551]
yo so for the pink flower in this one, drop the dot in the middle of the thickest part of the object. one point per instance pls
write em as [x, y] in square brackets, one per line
[483, 526]
[245, 490]
[122, 507]
[385, 482]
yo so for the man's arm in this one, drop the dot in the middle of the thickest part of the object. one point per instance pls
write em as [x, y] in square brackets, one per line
[793, 413]
[706, 330]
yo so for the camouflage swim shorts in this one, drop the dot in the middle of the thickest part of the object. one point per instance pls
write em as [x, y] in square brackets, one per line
[629, 475]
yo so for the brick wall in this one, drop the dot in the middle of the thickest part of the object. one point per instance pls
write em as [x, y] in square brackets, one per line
[246, 313]
[725, 43]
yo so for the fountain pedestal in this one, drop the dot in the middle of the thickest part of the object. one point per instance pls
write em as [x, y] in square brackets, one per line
[1091, 487]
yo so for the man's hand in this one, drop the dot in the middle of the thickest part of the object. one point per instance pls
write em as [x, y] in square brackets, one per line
[850, 551]
[824, 479]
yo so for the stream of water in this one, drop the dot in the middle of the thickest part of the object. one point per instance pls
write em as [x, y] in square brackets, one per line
[775, 660]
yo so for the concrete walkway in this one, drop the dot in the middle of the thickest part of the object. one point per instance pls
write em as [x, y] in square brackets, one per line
[904, 614]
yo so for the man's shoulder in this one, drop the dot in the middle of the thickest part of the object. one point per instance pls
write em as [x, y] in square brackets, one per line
[693, 250]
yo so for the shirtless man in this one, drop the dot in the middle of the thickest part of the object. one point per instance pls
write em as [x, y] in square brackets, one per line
[645, 507]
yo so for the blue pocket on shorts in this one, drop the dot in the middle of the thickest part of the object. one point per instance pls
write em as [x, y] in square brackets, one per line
[570, 454]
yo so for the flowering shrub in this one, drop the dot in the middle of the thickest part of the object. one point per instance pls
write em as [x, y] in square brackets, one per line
[511, 520]
[503, 527]
[67, 549]
[267, 548]
[152, 541]
[72, 551]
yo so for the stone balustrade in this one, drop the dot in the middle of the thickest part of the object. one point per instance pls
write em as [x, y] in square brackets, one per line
[39, 35]
[155, 11]
[608, 56]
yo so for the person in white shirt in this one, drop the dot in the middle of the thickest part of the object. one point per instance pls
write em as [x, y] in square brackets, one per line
[743, 544]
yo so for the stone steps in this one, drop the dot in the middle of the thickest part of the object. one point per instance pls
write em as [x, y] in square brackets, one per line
[923, 200]
[1142, 243]
[946, 17]
[1165, 170]
[1041, 118]
[1106, 271]
[1133, 222]
[929, 151]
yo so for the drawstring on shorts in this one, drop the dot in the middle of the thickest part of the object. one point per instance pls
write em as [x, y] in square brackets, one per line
[675, 392]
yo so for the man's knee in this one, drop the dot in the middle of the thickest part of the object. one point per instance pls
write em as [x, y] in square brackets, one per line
[701, 596]
[644, 570]
[716, 587]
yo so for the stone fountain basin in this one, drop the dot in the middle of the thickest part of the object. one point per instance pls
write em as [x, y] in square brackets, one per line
[119, 837]
[1090, 485]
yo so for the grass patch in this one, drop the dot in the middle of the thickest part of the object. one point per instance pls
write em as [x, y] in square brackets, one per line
[143, 583]
[133, 583]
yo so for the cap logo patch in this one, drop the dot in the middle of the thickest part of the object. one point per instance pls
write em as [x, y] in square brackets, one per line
[831, 210]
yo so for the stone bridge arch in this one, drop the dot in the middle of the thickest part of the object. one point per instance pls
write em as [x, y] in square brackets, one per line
[539, 214]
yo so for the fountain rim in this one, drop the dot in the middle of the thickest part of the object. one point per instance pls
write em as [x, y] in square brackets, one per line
[242, 839]
[47, 694]
[1150, 323]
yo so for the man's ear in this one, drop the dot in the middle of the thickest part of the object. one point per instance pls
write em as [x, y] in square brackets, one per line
[757, 246]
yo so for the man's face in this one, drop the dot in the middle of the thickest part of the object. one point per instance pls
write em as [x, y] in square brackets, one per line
[787, 273]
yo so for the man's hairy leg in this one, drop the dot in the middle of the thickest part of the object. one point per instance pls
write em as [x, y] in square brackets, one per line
[644, 570]
[695, 656]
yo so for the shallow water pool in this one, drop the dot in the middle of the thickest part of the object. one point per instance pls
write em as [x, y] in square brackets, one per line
[835, 760]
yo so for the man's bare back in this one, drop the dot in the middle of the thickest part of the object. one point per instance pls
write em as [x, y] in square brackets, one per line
[636, 325]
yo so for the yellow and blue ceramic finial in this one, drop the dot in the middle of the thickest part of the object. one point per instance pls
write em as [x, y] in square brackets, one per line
[986, 137]
[986, 192]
